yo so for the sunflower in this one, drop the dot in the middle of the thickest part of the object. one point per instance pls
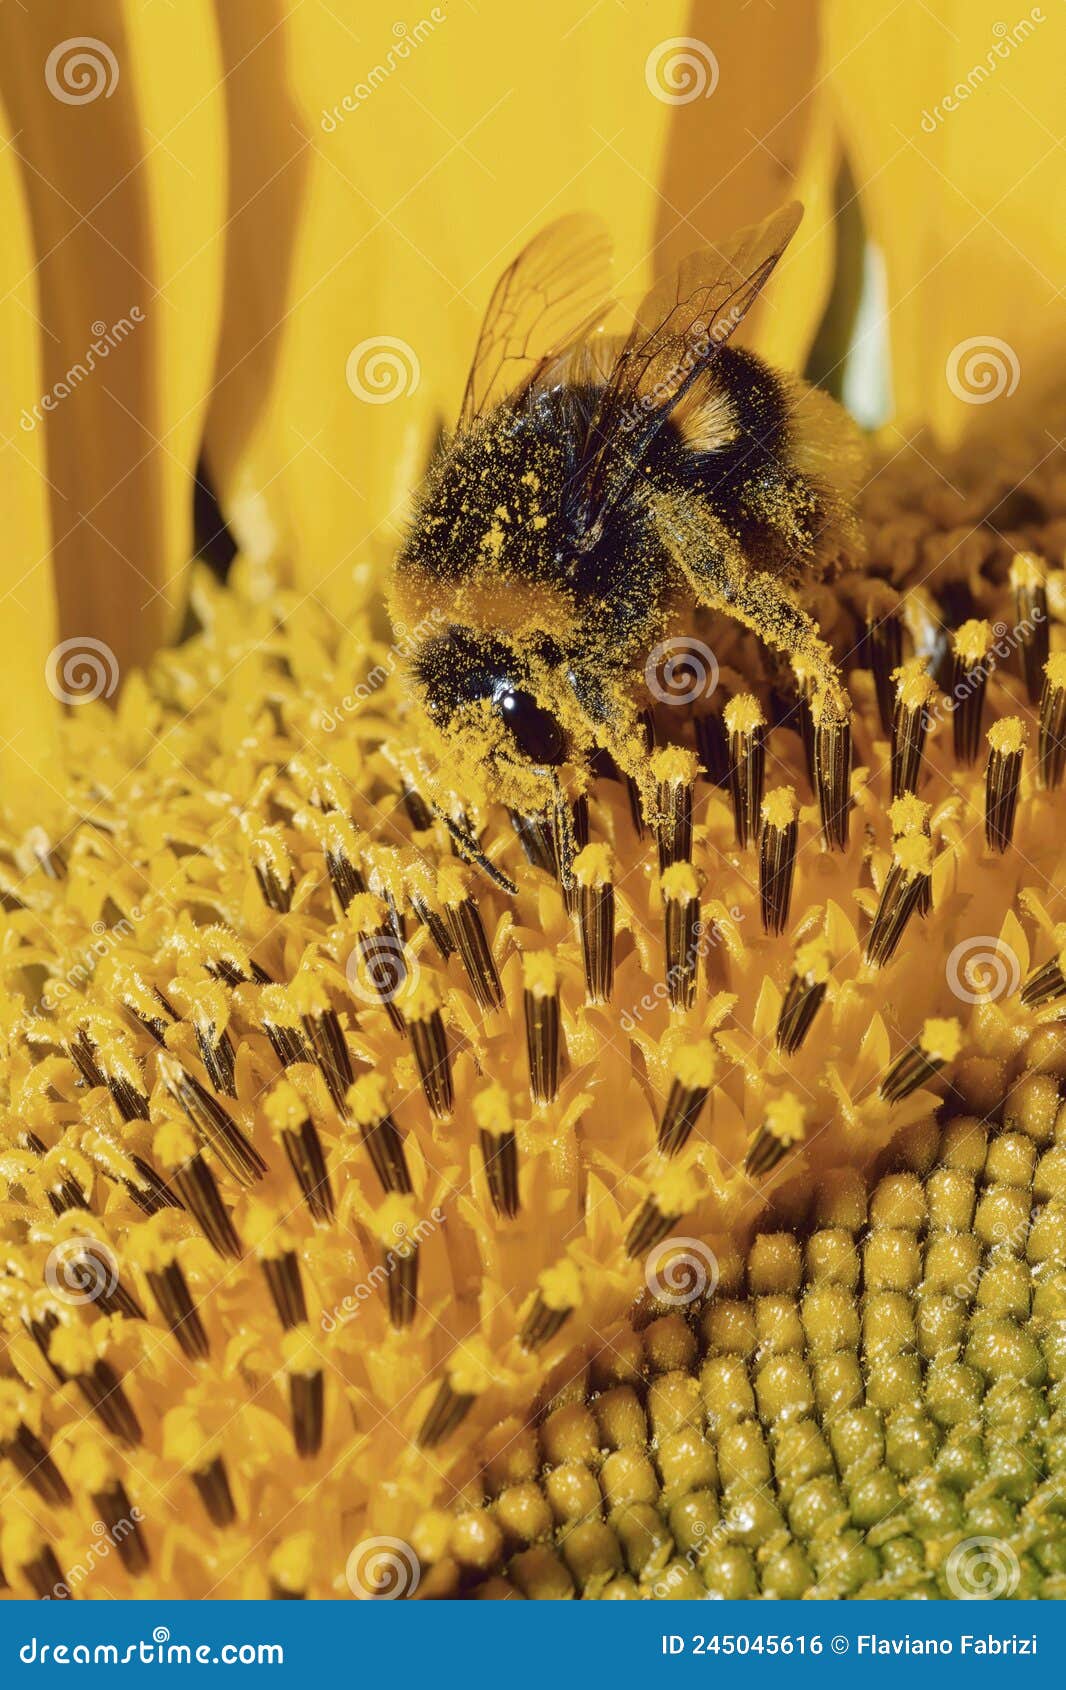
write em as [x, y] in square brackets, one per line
[691, 1220]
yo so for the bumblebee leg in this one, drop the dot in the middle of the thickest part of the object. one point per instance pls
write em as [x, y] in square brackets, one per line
[471, 850]
[721, 579]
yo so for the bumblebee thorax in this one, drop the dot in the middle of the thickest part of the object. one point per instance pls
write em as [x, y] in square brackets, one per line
[497, 499]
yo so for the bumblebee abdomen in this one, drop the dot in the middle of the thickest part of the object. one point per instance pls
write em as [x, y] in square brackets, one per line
[729, 434]
[772, 458]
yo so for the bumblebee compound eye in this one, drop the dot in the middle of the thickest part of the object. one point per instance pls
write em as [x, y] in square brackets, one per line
[535, 731]
[459, 668]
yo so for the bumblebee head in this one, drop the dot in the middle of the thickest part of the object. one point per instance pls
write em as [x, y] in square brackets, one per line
[484, 699]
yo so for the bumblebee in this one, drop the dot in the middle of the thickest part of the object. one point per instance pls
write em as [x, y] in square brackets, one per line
[598, 494]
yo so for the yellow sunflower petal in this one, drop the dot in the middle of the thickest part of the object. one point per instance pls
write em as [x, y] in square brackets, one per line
[403, 167]
[762, 134]
[950, 115]
[118, 144]
[27, 605]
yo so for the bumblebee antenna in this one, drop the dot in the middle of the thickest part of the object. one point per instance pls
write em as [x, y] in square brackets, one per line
[473, 853]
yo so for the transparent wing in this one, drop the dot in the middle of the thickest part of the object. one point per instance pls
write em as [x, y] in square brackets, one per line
[679, 327]
[554, 292]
